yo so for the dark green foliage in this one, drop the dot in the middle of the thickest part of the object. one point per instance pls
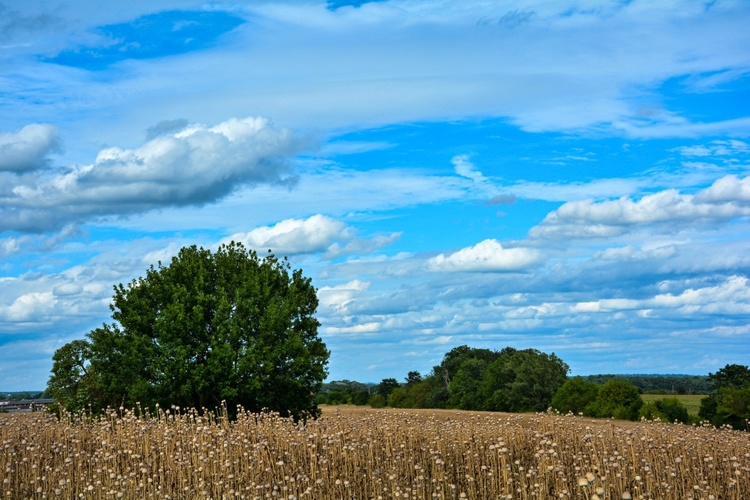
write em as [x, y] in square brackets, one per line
[417, 394]
[209, 327]
[73, 380]
[574, 395]
[666, 410]
[709, 404]
[522, 380]
[464, 388]
[617, 399]
[734, 376]
[729, 403]
[387, 386]
[360, 398]
[509, 380]
[337, 398]
[733, 407]
[455, 358]
[399, 398]
[339, 392]
[376, 401]
[413, 377]
[660, 384]
[673, 410]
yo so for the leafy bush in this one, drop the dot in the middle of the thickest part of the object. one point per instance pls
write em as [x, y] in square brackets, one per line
[574, 395]
[618, 399]
[666, 410]
[376, 401]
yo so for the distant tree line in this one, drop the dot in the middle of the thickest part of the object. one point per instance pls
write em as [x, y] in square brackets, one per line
[661, 384]
[616, 398]
[468, 379]
[19, 396]
[527, 380]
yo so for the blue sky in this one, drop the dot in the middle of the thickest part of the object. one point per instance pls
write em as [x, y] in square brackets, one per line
[570, 176]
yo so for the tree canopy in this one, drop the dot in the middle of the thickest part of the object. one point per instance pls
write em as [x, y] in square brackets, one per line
[208, 328]
[483, 379]
[729, 403]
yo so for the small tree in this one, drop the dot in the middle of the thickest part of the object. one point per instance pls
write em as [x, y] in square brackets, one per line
[618, 399]
[387, 386]
[376, 401]
[666, 410]
[575, 395]
[206, 329]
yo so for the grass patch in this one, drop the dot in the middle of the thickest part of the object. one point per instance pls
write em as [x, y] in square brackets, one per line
[690, 401]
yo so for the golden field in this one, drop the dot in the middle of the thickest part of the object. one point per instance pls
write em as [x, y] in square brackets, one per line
[361, 453]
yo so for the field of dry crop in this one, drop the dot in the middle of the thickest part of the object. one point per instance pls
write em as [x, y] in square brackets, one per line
[363, 453]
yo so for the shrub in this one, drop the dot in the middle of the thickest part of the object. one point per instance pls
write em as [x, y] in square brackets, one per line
[376, 401]
[618, 399]
[574, 395]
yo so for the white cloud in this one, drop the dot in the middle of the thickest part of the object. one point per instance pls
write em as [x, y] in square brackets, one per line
[338, 297]
[316, 234]
[432, 60]
[727, 190]
[27, 149]
[725, 199]
[715, 148]
[193, 166]
[9, 246]
[488, 255]
[465, 168]
[28, 307]
[358, 329]
[163, 255]
[295, 236]
[732, 296]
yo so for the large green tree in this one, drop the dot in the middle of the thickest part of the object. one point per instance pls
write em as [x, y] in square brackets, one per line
[522, 380]
[209, 327]
[507, 380]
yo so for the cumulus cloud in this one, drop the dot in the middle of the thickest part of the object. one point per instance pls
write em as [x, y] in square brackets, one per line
[316, 234]
[725, 199]
[194, 165]
[338, 297]
[27, 150]
[295, 236]
[727, 190]
[488, 255]
[28, 306]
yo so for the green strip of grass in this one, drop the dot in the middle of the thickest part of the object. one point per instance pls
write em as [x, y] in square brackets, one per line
[690, 401]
